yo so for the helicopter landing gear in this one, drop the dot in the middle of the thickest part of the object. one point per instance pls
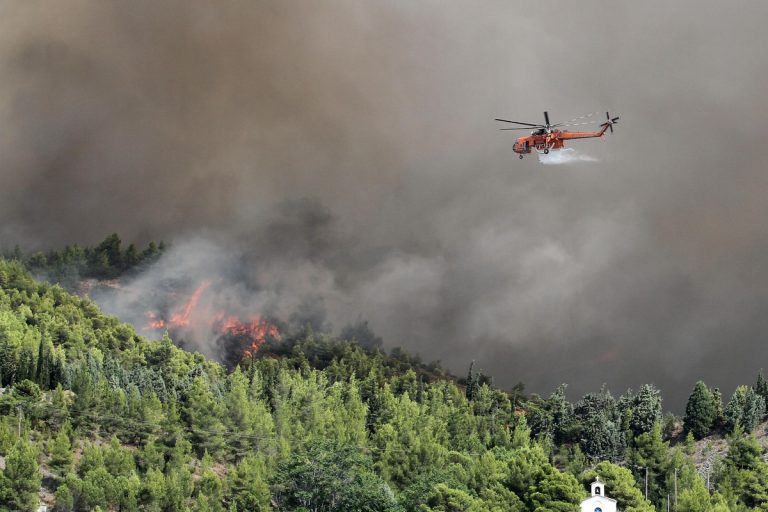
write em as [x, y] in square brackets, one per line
[546, 151]
[521, 157]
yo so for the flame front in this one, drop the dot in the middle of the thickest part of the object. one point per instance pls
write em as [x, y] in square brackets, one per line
[257, 330]
[180, 317]
[242, 336]
[154, 321]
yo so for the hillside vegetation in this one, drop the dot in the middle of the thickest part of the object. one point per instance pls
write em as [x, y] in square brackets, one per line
[106, 260]
[95, 417]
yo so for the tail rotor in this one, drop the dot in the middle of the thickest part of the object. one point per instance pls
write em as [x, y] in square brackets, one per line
[610, 121]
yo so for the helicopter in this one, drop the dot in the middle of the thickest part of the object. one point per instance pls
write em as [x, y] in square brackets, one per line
[545, 137]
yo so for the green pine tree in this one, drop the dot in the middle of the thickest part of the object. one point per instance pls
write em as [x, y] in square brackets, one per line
[22, 476]
[61, 453]
[699, 411]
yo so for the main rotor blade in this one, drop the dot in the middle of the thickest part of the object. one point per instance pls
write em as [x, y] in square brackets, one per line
[578, 118]
[518, 122]
[574, 124]
[546, 118]
[519, 128]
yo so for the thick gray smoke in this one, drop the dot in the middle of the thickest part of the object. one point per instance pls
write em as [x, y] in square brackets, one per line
[341, 157]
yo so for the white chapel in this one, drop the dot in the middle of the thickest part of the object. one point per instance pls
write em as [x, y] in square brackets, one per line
[598, 502]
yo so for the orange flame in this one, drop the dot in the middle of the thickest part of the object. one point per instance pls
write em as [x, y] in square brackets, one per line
[155, 322]
[256, 329]
[180, 317]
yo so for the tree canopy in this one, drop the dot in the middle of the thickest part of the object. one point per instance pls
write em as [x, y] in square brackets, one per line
[115, 421]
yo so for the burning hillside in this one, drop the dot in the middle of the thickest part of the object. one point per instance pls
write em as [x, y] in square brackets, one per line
[198, 314]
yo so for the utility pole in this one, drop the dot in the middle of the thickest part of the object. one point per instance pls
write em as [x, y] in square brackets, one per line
[667, 502]
[675, 489]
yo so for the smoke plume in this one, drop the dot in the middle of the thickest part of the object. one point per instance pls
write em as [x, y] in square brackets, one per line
[332, 161]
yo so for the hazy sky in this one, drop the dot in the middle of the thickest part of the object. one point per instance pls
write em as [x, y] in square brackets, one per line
[345, 152]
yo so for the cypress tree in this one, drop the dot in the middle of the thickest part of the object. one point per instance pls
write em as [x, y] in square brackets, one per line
[44, 364]
[761, 386]
[470, 393]
[718, 397]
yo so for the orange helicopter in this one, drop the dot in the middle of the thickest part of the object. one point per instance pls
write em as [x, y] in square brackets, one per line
[547, 136]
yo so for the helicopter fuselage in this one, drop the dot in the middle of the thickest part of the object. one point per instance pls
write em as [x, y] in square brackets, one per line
[545, 137]
[542, 141]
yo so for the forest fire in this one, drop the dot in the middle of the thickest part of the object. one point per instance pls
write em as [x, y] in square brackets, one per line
[180, 317]
[200, 316]
[154, 321]
[256, 329]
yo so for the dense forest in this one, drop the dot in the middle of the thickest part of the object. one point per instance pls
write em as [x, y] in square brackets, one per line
[106, 260]
[95, 417]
